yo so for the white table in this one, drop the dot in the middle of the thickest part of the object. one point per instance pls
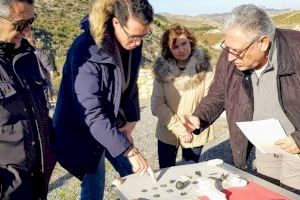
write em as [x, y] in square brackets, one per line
[143, 188]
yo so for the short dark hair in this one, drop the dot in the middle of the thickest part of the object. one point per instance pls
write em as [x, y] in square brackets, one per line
[169, 38]
[139, 9]
[5, 6]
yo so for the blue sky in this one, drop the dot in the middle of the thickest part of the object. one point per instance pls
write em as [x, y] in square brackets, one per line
[196, 7]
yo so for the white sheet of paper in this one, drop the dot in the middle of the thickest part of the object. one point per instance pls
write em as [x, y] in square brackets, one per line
[263, 134]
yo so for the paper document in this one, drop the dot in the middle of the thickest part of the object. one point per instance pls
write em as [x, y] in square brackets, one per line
[263, 134]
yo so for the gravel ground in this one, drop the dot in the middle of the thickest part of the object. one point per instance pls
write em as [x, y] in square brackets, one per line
[64, 186]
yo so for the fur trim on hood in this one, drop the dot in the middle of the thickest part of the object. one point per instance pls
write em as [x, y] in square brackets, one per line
[101, 12]
[198, 64]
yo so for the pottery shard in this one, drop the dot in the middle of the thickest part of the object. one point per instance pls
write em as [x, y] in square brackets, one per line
[181, 185]
[198, 173]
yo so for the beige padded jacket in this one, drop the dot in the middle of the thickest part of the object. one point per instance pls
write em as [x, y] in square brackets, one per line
[177, 93]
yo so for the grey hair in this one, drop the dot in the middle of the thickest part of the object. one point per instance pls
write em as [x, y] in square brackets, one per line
[251, 19]
[6, 4]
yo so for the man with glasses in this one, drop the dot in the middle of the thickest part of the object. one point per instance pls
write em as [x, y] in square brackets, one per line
[257, 77]
[97, 106]
[26, 160]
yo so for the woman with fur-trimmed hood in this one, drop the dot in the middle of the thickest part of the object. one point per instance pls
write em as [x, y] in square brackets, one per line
[183, 75]
[99, 78]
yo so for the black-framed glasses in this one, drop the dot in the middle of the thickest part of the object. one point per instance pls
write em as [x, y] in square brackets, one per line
[20, 25]
[136, 37]
[236, 54]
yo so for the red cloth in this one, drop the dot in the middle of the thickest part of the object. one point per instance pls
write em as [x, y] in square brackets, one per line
[252, 191]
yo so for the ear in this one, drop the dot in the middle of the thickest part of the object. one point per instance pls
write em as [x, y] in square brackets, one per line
[265, 43]
[115, 21]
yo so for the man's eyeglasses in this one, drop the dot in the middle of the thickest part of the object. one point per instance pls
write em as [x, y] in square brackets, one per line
[20, 25]
[134, 38]
[236, 54]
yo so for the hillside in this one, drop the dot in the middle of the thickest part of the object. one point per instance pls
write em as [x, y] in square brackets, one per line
[57, 25]
[151, 46]
[198, 21]
[289, 19]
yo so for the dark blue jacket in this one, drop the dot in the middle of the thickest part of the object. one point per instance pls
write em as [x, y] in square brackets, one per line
[88, 102]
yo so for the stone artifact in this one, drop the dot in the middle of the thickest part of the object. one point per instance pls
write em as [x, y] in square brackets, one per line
[183, 193]
[198, 173]
[172, 181]
[169, 191]
[181, 185]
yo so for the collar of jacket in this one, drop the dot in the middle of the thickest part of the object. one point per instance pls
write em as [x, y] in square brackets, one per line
[104, 53]
[8, 52]
[6, 49]
[285, 61]
[165, 70]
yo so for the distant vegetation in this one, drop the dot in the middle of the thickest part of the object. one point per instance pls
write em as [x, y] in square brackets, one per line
[161, 21]
[288, 20]
[57, 25]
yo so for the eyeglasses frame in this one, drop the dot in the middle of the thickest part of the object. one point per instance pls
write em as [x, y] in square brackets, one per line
[135, 37]
[17, 24]
[237, 55]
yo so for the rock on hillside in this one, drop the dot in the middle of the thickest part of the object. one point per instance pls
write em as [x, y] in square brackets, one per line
[288, 19]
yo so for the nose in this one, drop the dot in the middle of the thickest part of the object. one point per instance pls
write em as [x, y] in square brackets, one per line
[180, 49]
[27, 31]
[231, 57]
[137, 42]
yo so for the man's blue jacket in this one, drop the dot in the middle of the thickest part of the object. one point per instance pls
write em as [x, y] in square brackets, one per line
[88, 102]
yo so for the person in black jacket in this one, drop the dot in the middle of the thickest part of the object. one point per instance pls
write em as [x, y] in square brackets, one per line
[26, 160]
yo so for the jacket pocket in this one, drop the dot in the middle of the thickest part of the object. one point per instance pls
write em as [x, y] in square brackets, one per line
[6, 89]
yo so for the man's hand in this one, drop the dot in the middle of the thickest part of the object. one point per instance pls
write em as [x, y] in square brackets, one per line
[128, 128]
[191, 123]
[138, 162]
[288, 144]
